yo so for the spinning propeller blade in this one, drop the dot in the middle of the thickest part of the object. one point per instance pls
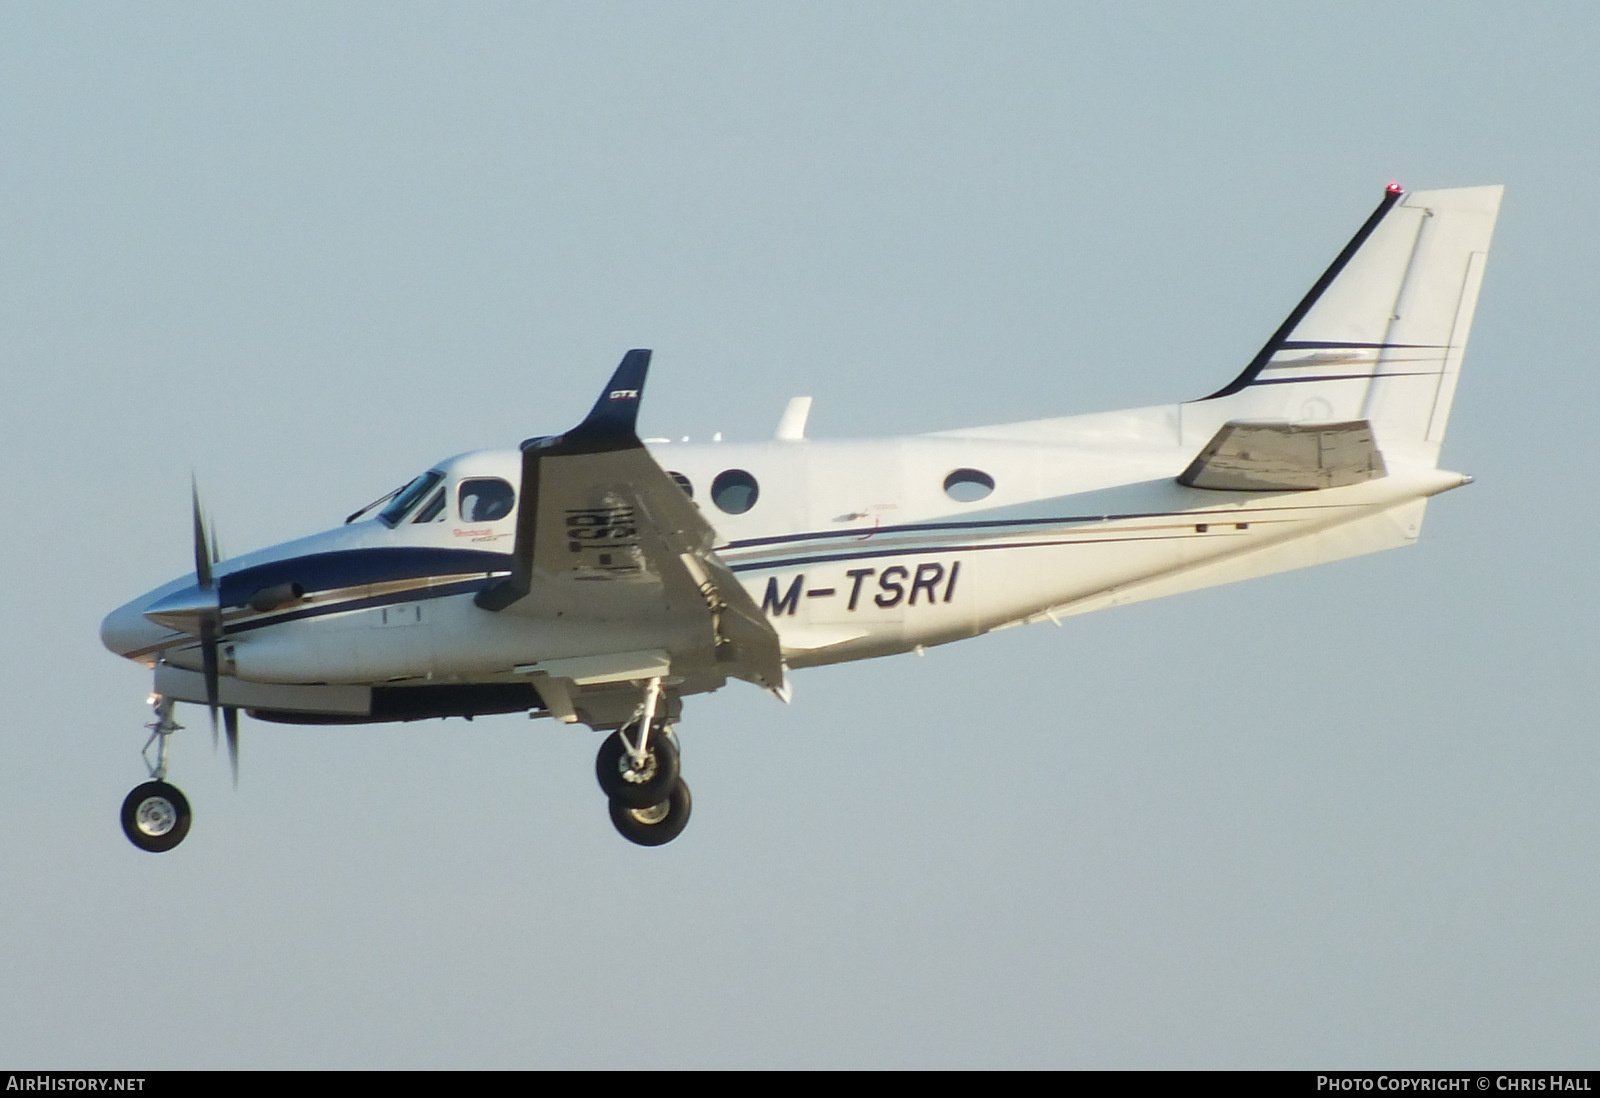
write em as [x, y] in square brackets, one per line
[230, 720]
[210, 619]
[208, 654]
[208, 552]
[202, 551]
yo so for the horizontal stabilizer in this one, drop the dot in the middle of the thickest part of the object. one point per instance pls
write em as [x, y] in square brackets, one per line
[1275, 457]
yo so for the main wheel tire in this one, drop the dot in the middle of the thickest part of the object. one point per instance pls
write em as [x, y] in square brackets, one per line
[155, 816]
[657, 824]
[637, 788]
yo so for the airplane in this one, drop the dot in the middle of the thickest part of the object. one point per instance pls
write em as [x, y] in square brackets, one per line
[599, 579]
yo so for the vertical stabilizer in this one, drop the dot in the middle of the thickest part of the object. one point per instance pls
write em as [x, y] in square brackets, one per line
[1381, 335]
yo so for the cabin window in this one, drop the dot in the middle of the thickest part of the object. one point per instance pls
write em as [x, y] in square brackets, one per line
[485, 499]
[682, 482]
[433, 510]
[968, 485]
[409, 497]
[735, 491]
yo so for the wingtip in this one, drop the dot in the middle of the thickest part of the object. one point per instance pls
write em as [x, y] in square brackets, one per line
[611, 423]
[617, 410]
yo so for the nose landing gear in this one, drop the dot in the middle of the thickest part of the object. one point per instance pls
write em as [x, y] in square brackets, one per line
[155, 815]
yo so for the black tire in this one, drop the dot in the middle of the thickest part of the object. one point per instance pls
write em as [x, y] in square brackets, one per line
[613, 768]
[155, 816]
[639, 825]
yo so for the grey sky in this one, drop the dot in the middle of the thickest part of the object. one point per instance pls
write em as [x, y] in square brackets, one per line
[1343, 817]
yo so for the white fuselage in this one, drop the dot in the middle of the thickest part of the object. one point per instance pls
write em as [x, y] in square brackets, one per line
[853, 549]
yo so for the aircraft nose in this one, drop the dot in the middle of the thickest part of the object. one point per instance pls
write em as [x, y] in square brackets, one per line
[127, 632]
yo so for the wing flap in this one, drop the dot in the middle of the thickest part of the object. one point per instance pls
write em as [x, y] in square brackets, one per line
[608, 668]
[1276, 457]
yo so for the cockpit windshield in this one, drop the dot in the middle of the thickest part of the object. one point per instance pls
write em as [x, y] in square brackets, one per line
[408, 498]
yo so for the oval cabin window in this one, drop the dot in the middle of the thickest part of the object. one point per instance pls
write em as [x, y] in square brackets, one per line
[734, 491]
[968, 485]
[682, 482]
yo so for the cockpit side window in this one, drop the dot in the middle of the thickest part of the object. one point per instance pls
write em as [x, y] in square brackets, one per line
[485, 499]
[393, 514]
[433, 510]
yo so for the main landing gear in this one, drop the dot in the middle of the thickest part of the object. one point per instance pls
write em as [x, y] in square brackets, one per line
[637, 768]
[155, 816]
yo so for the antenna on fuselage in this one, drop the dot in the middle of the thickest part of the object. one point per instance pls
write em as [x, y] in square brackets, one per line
[792, 427]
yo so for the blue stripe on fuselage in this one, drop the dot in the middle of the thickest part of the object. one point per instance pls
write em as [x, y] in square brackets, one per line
[415, 594]
[354, 567]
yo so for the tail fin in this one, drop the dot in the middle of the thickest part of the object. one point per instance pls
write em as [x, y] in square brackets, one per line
[1381, 335]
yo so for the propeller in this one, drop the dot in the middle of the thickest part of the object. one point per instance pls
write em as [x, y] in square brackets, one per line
[206, 554]
[197, 611]
[230, 722]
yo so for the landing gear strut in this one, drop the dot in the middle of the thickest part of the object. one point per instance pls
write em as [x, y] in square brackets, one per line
[155, 816]
[638, 771]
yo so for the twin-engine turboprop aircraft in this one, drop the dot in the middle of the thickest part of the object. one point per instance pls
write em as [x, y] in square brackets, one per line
[595, 579]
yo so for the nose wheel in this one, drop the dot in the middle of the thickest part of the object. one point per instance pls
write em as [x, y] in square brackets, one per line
[155, 816]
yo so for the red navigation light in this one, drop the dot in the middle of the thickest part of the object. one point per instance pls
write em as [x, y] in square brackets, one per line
[1394, 188]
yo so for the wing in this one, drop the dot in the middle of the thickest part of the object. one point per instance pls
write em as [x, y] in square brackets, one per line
[1266, 457]
[604, 535]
